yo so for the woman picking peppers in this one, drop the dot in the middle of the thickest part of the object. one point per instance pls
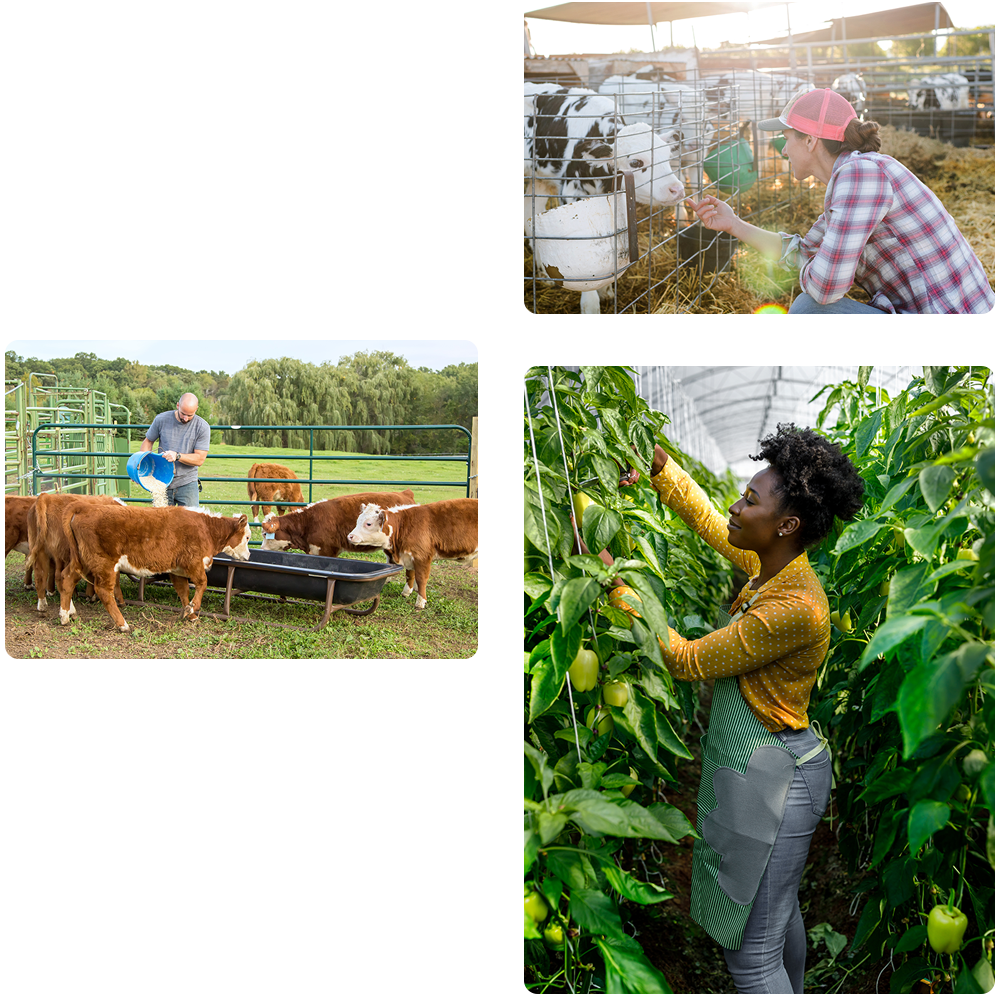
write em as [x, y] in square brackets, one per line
[766, 775]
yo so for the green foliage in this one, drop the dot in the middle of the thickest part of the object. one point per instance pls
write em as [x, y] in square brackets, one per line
[908, 696]
[374, 387]
[583, 430]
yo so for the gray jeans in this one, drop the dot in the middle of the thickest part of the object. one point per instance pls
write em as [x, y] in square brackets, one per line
[772, 955]
[183, 496]
[807, 304]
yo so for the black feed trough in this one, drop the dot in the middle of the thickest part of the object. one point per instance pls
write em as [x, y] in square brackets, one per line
[339, 583]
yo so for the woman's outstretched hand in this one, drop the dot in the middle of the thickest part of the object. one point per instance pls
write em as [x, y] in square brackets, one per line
[714, 214]
[659, 460]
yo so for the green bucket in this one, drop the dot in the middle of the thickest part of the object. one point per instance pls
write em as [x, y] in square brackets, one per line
[779, 143]
[730, 165]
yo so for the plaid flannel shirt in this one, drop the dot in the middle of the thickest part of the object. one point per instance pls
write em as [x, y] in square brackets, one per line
[884, 229]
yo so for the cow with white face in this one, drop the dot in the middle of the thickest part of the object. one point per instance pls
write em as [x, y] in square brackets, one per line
[414, 536]
[182, 541]
[577, 147]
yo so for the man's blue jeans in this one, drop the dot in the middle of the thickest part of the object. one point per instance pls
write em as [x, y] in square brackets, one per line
[183, 496]
[772, 955]
[806, 304]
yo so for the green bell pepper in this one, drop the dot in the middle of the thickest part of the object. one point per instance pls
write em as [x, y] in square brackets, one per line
[946, 927]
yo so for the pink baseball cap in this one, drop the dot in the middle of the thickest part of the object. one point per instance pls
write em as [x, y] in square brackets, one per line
[822, 113]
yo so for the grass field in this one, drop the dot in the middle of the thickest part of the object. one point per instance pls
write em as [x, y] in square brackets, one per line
[363, 472]
[260, 627]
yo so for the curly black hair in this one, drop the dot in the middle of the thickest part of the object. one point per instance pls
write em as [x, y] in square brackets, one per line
[818, 481]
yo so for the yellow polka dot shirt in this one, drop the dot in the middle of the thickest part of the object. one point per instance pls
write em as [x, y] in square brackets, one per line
[777, 645]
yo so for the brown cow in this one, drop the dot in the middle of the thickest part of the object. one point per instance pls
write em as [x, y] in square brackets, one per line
[181, 541]
[266, 493]
[48, 546]
[415, 536]
[321, 529]
[15, 522]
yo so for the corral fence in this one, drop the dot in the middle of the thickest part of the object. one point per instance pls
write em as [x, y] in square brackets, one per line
[892, 89]
[49, 472]
[722, 94]
[78, 424]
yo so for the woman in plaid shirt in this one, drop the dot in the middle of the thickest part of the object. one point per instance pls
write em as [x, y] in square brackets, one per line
[881, 227]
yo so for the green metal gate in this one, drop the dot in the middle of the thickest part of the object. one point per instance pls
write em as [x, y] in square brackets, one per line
[74, 426]
[44, 476]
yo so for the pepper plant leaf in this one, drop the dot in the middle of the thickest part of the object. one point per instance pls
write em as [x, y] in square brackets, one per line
[936, 482]
[926, 818]
[599, 526]
[628, 971]
[632, 889]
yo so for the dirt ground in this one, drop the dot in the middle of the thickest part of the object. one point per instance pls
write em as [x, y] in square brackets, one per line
[259, 627]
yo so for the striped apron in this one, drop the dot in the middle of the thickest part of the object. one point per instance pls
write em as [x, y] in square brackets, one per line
[746, 772]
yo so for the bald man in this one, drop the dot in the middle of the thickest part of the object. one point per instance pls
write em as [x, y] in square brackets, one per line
[184, 439]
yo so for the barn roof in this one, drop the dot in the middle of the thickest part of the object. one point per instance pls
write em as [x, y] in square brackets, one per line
[915, 19]
[638, 13]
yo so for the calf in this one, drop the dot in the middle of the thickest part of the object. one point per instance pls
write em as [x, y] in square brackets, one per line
[321, 529]
[414, 536]
[669, 108]
[570, 140]
[576, 146]
[181, 541]
[15, 521]
[947, 91]
[266, 493]
[752, 95]
[49, 554]
[851, 86]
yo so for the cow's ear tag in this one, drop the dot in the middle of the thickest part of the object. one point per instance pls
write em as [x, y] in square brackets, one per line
[266, 535]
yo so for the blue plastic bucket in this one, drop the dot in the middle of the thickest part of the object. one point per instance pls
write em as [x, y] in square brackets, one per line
[148, 463]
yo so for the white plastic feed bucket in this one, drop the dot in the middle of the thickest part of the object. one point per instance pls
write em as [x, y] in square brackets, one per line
[576, 246]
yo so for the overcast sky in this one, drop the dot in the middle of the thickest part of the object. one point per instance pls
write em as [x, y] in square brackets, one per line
[230, 356]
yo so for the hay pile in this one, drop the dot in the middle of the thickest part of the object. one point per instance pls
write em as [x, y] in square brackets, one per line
[962, 177]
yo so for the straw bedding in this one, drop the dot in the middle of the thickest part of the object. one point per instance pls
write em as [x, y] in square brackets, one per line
[963, 178]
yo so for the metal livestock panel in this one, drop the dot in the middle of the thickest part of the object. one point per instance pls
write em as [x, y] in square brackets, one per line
[676, 265]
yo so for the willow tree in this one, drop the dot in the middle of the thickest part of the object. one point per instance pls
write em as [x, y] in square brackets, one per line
[284, 391]
[380, 387]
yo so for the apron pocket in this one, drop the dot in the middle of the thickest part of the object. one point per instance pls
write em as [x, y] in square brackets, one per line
[743, 828]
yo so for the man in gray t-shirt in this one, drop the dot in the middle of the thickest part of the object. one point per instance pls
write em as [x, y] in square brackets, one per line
[184, 439]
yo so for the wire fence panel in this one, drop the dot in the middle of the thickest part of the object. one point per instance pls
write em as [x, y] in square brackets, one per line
[681, 141]
[692, 131]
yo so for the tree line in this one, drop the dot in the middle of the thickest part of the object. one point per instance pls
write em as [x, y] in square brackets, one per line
[368, 387]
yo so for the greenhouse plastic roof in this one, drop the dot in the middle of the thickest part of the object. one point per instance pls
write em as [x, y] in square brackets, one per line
[718, 414]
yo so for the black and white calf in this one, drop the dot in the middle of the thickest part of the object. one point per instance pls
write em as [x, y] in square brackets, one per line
[669, 108]
[948, 91]
[575, 145]
[750, 95]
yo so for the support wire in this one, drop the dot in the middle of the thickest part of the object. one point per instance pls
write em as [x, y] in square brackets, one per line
[545, 529]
